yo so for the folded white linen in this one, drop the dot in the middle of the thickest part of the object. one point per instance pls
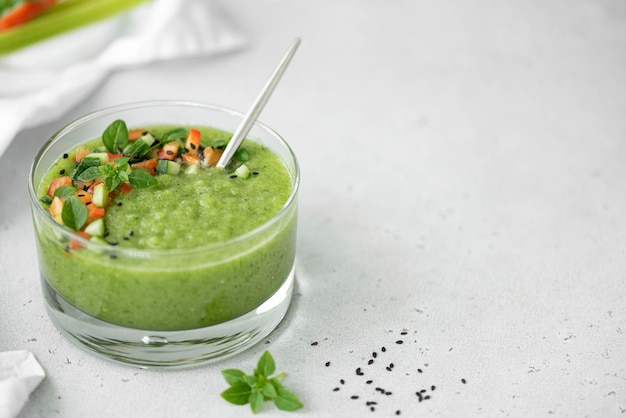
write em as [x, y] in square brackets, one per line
[20, 374]
[42, 83]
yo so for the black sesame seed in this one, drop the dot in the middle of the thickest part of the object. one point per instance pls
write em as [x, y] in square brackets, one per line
[372, 408]
[314, 342]
[343, 382]
[106, 234]
[398, 412]
[62, 171]
[423, 391]
[193, 146]
[186, 149]
[81, 195]
[113, 243]
[336, 389]
[426, 397]
[65, 155]
[391, 365]
[463, 381]
[383, 349]
[327, 363]
[369, 382]
[119, 203]
[255, 173]
[368, 403]
[374, 354]
[419, 370]
[125, 238]
[433, 387]
[388, 368]
[85, 188]
[233, 176]
[403, 333]
[131, 233]
[399, 342]
[387, 393]
[169, 152]
[359, 372]
[371, 361]
[380, 390]
[354, 397]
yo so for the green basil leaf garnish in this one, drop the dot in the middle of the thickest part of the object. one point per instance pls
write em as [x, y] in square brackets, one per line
[74, 213]
[115, 136]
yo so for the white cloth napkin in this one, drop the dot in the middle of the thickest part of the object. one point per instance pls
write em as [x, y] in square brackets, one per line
[35, 91]
[20, 373]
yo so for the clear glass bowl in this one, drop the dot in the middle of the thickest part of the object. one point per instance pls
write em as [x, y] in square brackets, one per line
[166, 308]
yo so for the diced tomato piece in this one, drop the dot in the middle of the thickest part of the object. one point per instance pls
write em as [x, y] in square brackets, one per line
[74, 243]
[212, 156]
[84, 196]
[113, 157]
[82, 185]
[125, 188]
[191, 159]
[81, 153]
[192, 144]
[169, 151]
[135, 134]
[58, 182]
[147, 165]
[23, 12]
[94, 212]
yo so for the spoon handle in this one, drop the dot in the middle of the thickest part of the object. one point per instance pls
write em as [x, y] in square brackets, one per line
[258, 105]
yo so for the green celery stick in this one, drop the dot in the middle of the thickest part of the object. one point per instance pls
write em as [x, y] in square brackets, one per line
[62, 17]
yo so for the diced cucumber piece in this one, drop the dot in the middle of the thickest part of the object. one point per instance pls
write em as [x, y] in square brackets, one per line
[96, 228]
[100, 195]
[243, 171]
[192, 169]
[167, 167]
[148, 139]
[102, 156]
[99, 239]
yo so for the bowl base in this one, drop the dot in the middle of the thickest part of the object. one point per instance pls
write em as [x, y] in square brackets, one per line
[167, 349]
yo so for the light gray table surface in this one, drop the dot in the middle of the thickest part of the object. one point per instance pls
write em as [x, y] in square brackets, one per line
[463, 180]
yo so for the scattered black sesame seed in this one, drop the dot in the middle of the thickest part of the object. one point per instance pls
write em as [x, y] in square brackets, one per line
[433, 387]
[399, 342]
[423, 391]
[369, 382]
[131, 233]
[85, 188]
[419, 370]
[193, 146]
[403, 333]
[125, 238]
[62, 171]
[371, 361]
[336, 389]
[327, 363]
[106, 234]
[255, 173]
[374, 354]
[391, 365]
[388, 393]
[354, 397]
[383, 349]
[372, 408]
[81, 195]
[233, 176]
[186, 149]
[169, 152]
[65, 155]
[463, 381]
[88, 203]
[113, 243]
[381, 390]
[359, 372]
[426, 397]
[398, 412]
[119, 203]
[388, 368]
[368, 403]
[314, 343]
[343, 382]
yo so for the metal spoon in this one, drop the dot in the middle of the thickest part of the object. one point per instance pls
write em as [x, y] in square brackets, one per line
[258, 105]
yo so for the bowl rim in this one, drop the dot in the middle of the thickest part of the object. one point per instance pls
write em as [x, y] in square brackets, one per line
[148, 252]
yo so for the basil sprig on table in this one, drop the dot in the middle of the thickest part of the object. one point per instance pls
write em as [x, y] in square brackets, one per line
[259, 387]
[113, 175]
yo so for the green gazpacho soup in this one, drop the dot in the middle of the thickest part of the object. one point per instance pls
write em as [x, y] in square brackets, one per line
[162, 238]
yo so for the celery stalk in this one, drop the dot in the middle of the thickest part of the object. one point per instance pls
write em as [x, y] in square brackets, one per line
[62, 17]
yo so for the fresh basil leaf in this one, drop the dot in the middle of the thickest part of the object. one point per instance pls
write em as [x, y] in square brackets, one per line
[123, 176]
[242, 154]
[74, 213]
[84, 165]
[286, 400]
[120, 161]
[115, 136]
[65, 191]
[91, 173]
[266, 365]
[219, 143]
[174, 134]
[249, 380]
[112, 183]
[238, 394]
[269, 391]
[256, 400]
[141, 179]
[232, 376]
